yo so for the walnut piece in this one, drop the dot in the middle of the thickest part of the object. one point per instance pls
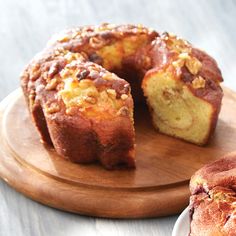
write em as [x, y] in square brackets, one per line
[198, 82]
[91, 100]
[71, 111]
[147, 62]
[54, 69]
[124, 111]
[96, 42]
[193, 65]
[84, 83]
[179, 63]
[52, 84]
[92, 93]
[82, 74]
[124, 96]
[111, 92]
[184, 56]
[52, 108]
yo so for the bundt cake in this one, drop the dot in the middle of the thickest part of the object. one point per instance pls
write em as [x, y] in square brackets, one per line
[81, 106]
[213, 200]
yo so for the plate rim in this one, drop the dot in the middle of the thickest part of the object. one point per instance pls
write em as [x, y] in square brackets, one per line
[179, 221]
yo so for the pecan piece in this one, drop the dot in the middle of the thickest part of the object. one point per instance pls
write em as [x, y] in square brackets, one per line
[82, 74]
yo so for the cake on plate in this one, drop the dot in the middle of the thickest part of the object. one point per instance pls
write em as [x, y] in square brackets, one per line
[82, 88]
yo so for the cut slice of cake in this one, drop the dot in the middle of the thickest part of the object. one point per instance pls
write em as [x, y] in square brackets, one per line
[183, 95]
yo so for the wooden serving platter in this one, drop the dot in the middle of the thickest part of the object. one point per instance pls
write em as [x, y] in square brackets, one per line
[157, 187]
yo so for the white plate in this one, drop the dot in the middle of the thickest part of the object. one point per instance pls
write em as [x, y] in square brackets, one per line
[182, 225]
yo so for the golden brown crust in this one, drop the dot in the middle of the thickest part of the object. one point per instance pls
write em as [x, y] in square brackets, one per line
[213, 200]
[194, 67]
[110, 138]
[69, 126]
[91, 38]
[64, 84]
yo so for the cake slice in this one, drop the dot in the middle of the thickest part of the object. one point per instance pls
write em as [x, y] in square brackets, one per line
[182, 90]
[85, 111]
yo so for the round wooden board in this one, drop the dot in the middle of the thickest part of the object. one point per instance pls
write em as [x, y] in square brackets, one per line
[157, 187]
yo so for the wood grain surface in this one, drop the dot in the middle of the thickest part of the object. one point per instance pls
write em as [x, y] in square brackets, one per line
[25, 27]
[157, 187]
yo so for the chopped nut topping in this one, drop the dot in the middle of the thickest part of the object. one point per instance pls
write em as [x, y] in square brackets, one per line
[59, 50]
[84, 83]
[94, 75]
[178, 63]
[52, 84]
[82, 74]
[146, 62]
[36, 66]
[124, 96]
[69, 57]
[198, 82]
[126, 88]
[84, 55]
[96, 42]
[92, 93]
[53, 107]
[111, 92]
[176, 44]
[54, 69]
[73, 65]
[35, 72]
[91, 100]
[64, 73]
[107, 76]
[71, 111]
[35, 75]
[193, 65]
[93, 67]
[124, 111]
[184, 56]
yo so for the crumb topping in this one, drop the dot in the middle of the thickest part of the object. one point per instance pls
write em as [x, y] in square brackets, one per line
[182, 54]
[84, 84]
[92, 89]
[52, 108]
[193, 65]
[105, 31]
[199, 82]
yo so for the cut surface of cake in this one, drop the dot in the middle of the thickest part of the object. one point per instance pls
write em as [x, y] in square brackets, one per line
[183, 99]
